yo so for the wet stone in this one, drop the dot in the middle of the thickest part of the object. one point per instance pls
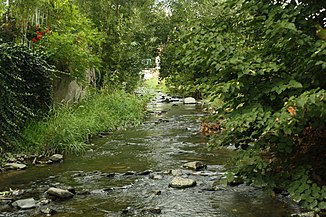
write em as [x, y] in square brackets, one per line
[71, 190]
[155, 210]
[83, 192]
[32, 156]
[195, 165]
[203, 173]
[128, 211]
[56, 158]
[156, 176]
[47, 210]
[15, 166]
[173, 172]
[189, 100]
[145, 173]
[179, 182]
[59, 193]
[45, 201]
[49, 162]
[213, 186]
[110, 175]
[12, 160]
[99, 191]
[129, 173]
[306, 214]
[25, 203]
[157, 192]
[109, 189]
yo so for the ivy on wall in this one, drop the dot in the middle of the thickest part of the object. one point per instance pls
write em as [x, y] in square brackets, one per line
[25, 91]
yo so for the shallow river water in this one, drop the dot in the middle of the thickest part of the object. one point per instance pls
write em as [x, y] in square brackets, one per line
[127, 173]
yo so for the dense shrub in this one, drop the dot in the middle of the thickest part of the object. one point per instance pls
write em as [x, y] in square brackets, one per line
[265, 64]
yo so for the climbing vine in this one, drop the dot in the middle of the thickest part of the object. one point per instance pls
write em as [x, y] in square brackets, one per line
[25, 91]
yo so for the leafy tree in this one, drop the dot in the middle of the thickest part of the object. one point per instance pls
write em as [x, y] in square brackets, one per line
[57, 29]
[133, 30]
[74, 44]
[265, 64]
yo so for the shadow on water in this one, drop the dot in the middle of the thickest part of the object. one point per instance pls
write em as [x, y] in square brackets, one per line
[109, 179]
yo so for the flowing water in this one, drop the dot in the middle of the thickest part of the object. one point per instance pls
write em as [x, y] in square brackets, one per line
[125, 174]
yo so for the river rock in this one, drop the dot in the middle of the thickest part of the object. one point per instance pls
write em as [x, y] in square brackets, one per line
[306, 214]
[156, 176]
[11, 160]
[44, 201]
[128, 211]
[144, 173]
[129, 173]
[56, 158]
[15, 166]
[155, 210]
[25, 203]
[173, 172]
[157, 192]
[213, 186]
[179, 182]
[59, 193]
[47, 211]
[195, 165]
[110, 175]
[189, 100]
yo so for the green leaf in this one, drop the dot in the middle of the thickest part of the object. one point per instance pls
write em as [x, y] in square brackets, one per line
[295, 84]
[313, 204]
[322, 205]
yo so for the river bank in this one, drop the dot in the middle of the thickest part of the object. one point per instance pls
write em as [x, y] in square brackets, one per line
[68, 128]
[134, 172]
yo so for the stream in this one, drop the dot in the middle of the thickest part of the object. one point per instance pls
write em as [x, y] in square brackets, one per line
[127, 173]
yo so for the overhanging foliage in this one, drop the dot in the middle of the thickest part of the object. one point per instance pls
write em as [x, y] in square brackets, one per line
[265, 64]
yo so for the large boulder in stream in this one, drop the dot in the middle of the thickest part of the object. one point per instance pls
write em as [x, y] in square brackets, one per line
[25, 203]
[179, 182]
[59, 193]
[195, 165]
[306, 214]
[189, 100]
[15, 166]
[56, 158]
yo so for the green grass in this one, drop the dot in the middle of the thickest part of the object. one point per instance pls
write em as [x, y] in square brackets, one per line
[68, 127]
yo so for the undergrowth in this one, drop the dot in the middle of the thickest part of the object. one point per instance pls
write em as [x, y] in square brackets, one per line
[68, 128]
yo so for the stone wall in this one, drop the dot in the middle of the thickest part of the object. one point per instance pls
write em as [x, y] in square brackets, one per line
[67, 90]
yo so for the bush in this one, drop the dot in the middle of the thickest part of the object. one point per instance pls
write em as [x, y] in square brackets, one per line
[266, 65]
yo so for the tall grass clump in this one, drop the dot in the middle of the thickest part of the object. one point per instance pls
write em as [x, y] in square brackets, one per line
[68, 128]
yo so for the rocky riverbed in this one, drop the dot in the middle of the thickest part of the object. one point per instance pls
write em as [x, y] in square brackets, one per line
[162, 168]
